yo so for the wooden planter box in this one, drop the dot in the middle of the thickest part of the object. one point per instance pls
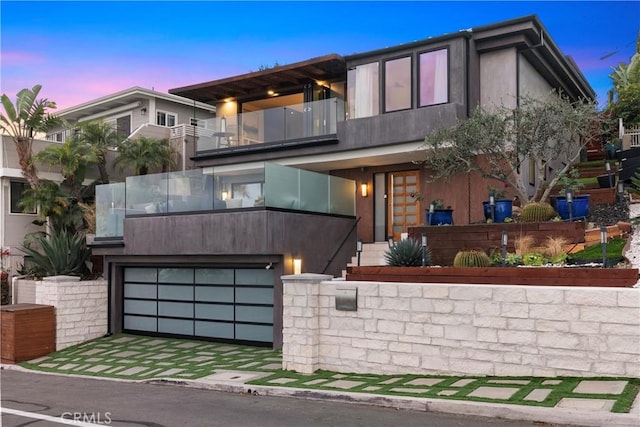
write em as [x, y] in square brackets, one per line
[28, 332]
[540, 276]
[447, 240]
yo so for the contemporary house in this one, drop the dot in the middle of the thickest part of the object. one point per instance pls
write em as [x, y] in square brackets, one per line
[300, 161]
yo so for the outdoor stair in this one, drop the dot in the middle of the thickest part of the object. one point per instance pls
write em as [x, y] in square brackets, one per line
[372, 254]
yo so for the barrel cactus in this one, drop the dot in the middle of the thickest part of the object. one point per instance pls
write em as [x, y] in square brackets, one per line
[537, 212]
[471, 258]
[406, 253]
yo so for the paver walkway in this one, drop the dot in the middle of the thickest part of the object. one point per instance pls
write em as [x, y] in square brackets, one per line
[145, 358]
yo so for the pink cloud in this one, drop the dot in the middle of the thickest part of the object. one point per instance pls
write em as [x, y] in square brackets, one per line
[17, 58]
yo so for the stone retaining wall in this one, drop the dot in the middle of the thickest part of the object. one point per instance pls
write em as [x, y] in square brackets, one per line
[80, 308]
[448, 329]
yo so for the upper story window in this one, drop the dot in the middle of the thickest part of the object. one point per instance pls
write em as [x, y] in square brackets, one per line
[397, 84]
[164, 118]
[16, 191]
[434, 78]
[363, 90]
[57, 137]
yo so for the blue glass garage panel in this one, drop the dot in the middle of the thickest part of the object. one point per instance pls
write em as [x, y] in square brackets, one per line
[231, 304]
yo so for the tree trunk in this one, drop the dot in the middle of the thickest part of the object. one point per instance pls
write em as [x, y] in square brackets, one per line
[29, 171]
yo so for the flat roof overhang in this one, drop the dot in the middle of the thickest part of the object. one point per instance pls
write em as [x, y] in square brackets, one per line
[323, 68]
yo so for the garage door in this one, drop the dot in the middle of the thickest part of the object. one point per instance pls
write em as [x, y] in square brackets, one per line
[219, 303]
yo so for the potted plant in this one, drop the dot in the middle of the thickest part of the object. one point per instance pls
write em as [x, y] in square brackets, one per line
[437, 214]
[500, 209]
[568, 203]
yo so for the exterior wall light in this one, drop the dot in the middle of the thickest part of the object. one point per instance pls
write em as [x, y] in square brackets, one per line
[143, 111]
[297, 266]
[364, 190]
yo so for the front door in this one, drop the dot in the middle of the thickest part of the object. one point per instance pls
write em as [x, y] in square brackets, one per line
[403, 202]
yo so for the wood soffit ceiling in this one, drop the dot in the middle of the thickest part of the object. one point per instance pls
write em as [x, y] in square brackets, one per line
[323, 68]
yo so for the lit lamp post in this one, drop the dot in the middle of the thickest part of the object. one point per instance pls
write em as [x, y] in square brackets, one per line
[359, 250]
[569, 194]
[424, 249]
[603, 242]
[432, 209]
[504, 248]
[607, 166]
[620, 191]
[390, 242]
[492, 204]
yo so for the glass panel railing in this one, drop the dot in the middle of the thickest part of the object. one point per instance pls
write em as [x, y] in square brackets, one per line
[220, 188]
[288, 123]
[291, 188]
[281, 187]
[314, 192]
[342, 199]
[110, 209]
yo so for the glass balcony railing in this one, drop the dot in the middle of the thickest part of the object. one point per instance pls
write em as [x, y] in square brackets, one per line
[293, 122]
[219, 189]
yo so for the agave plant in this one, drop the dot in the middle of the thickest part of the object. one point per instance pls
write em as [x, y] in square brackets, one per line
[407, 253]
[59, 253]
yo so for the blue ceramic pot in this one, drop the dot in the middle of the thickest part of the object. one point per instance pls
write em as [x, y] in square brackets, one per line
[504, 209]
[440, 217]
[580, 207]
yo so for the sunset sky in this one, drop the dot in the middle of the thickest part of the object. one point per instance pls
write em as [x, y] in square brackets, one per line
[82, 50]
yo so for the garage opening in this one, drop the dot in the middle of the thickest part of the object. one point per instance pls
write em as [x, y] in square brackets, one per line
[227, 304]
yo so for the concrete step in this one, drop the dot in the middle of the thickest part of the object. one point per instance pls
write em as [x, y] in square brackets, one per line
[372, 254]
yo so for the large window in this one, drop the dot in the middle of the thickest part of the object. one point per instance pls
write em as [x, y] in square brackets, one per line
[17, 190]
[434, 78]
[165, 119]
[397, 84]
[363, 91]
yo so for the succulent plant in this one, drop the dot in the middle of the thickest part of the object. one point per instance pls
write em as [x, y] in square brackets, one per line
[407, 253]
[471, 258]
[537, 212]
[534, 259]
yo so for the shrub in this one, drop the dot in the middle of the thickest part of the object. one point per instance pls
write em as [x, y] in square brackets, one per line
[406, 253]
[59, 253]
[471, 258]
[534, 259]
[510, 260]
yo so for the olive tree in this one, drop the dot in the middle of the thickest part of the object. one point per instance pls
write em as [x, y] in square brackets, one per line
[538, 132]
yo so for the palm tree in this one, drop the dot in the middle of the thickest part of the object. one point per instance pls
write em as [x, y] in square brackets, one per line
[143, 153]
[22, 121]
[101, 136]
[73, 157]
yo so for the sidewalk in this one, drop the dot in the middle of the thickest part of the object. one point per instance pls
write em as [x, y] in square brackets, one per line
[255, 370]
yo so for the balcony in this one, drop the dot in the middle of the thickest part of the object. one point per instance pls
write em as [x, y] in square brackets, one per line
[269, 128]
[220, 189]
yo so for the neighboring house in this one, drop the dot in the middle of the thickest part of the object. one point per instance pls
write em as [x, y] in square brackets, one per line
[200, 253]
[133, 112]
[138, 112]
[14, 223]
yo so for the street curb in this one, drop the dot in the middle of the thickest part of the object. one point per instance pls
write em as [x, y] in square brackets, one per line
[570, 417]
[481, 409]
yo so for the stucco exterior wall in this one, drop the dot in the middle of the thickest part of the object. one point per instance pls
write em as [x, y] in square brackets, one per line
[530, 82]
[461, 329]
[499, 79]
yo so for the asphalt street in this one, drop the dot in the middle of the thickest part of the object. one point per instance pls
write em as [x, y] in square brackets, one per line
[40, 400]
